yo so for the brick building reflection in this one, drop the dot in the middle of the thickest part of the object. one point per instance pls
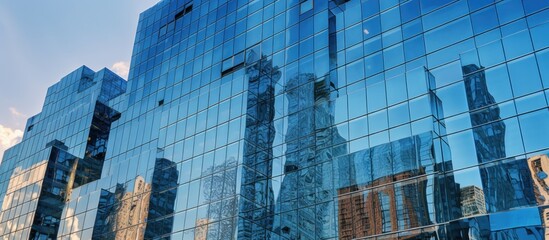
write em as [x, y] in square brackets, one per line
[138, 213]
[539, 167]
[392, 202]
[392, 187]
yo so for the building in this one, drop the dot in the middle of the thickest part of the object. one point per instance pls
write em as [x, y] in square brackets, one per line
[63, 148]
[472, 201]
[313, 119]
[538, 169]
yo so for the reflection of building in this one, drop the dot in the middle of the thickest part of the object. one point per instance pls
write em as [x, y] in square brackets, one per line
[472, 201]
[503, 183]
[68, 139]
[256, 186]
[133, 211]
[201, 231]
[392, 186]
[262, 140]
[309, 137]
[162, 198]
[393, 197]
[107, 209]
[539, 169]
[55, 190]
[127, 214]
[124, 210]
[489, 139]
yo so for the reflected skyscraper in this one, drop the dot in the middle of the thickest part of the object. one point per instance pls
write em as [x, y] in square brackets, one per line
[472, 201]
[307, 182]
[501, 182]
[489, 139]
[257, 201]
[162, 198]
[125, 210]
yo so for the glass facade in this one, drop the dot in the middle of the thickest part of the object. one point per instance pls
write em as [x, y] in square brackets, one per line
[298, 119]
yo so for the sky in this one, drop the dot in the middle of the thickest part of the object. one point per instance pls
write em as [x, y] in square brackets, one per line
[42, 41]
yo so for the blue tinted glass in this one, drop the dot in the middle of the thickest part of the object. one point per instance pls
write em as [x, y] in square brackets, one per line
[453, 98]
[353, 35]
[543, 60]
[396, 89]
[485, 19]
[532, 130]
[491, 54]
[517, 44]
[355, 71]
[390, 19]
[430, 5]
[524, 75]
[373, 64]
[414, 48]
[393, 56]
[398, 114]
[378, 121]
[298, 119]
[445, 14]
[412, 28]
[376, 96]
[538, 36]
[371, 27]
[497, 81]
[352, 15]
[532, 6]
[463, 149]
[509, 10]
[530, 102]
[478, 4]
[409, 10]
[448, 34]
[391, 37]
[369, 8]
[358, 128]
[372, 45]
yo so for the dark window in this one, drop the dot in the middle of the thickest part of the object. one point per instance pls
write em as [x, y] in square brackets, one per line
[183, 12]
[179, 14]
[188, 9]
[233, 63]
[161, 102]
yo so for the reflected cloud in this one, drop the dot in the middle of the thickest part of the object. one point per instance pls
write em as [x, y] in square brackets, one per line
[9, 137]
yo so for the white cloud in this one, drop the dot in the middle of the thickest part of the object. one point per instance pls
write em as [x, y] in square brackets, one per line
[16, 113]
[121, 68]
[8, 138]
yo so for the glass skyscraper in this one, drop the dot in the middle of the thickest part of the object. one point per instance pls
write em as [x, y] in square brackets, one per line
[298, 119]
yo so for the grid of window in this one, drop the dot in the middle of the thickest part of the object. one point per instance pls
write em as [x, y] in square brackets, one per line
[318, 119]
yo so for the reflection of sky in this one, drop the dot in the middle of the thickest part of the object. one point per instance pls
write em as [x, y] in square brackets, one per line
[514, 219]
[468, 177]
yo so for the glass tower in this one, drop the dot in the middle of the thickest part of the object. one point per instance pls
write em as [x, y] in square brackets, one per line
[298, 119]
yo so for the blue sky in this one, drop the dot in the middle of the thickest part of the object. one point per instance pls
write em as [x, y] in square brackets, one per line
[42, 41]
